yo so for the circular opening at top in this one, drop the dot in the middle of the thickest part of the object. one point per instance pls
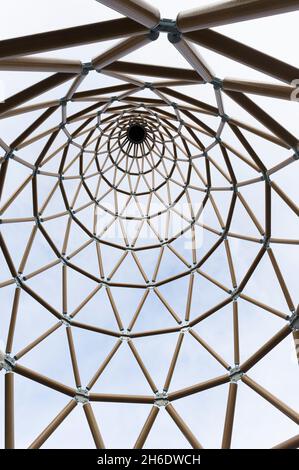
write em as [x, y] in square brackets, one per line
[136, 133]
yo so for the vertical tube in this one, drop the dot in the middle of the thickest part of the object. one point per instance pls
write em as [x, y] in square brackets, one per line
[146, 428]
[229, 417]
[13, 319]
[236, 333]
[9, 411]
[296, 341]
[98, 440]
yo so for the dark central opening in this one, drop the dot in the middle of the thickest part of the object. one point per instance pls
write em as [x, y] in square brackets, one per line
[136, 133]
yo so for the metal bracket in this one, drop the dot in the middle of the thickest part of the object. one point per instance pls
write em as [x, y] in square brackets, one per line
[82, 395]
[148, 85]
[161, 399]
[185, 327]
[113, 99]
[63, 101]
[235, 374]
[224, 234]
[7, 362]
[294, 321]
[19, 279]
[9, 155]
[151, 285]
[71, 211]
[86, 68]
[266, 177]
[38, 221]
[296, 155]
[66, 320]
[217, 83]
[167, 25]
[235, 294]
[174, 37]
[266, 242]
[125, 337]
[153, 34]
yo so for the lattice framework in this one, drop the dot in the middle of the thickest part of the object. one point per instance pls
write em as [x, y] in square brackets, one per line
[170, 161]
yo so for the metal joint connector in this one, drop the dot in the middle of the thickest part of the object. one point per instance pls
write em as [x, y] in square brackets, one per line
[217, 83]
[224, 234]
[266, 177]
[151, 285]
[86, 68]
[167, 25]
[9, 155]
[153, 34]
[64, 260]
[235, 374]
[294, 321]
[185, 327]
[19, 279]
[148, 85]
[66, 320]
[7, 362]
[296, 155]
[235, 294]
[266, 242]
[82, 395]
[38, 220]
[125, 336]
[174, 38]
[113, 99]
[63, 101]
[161, 399]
